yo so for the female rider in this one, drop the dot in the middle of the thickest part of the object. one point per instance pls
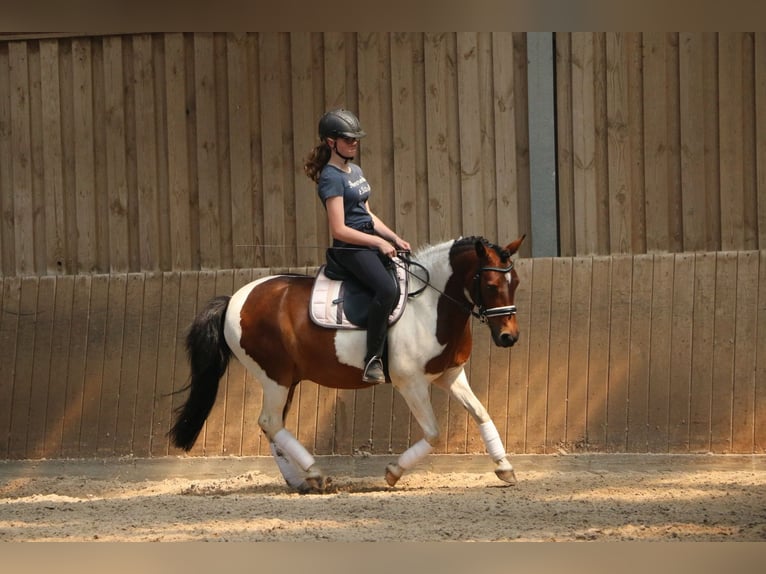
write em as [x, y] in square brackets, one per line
[366, 243]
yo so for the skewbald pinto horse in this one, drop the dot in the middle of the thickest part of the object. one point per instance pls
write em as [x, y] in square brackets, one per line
[266, 325]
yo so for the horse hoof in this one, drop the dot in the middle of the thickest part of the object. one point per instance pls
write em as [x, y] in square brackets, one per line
[506, 475]
[314, 483]
[393, 474]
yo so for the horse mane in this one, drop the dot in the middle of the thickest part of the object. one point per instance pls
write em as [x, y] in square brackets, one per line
[464, 243]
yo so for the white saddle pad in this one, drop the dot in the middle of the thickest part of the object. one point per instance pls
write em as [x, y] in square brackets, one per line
[326, 305]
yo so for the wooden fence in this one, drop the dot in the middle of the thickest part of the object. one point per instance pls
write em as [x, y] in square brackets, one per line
[645, 353]
[184, 151]
[141, 174]
[661, 142]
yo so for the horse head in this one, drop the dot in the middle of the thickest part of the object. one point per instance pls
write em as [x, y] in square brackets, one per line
[493, 287]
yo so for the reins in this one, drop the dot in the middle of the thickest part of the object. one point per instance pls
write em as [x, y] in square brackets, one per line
[483, 314]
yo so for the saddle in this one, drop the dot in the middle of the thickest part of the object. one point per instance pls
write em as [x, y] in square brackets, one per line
[338, 301]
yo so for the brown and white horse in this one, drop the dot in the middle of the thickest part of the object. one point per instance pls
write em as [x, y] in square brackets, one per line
[266, 325]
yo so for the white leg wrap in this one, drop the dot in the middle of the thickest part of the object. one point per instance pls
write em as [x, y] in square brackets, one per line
[293, 475]
[292, 448]
[492, 440]
[415, 454]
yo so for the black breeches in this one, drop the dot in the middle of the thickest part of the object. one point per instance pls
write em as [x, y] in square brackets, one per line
[369, 267]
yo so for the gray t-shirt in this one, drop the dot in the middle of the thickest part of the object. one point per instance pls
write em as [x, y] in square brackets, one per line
[354, 189]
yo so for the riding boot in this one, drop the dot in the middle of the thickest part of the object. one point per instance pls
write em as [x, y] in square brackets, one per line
[377, 330]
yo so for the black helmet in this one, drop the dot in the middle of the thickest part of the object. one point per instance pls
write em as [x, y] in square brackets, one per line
[340, 123]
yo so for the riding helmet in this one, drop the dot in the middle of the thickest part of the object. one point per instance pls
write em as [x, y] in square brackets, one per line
[340, 123]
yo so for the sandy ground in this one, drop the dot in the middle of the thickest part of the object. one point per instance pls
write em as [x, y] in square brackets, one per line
[557, 498]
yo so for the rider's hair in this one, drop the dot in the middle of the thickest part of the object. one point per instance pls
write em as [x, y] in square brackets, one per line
[316, 160]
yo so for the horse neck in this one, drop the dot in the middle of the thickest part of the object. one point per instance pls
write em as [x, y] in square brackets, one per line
[450, 276]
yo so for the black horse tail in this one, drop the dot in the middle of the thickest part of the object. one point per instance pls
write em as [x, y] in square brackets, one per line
[208, 356]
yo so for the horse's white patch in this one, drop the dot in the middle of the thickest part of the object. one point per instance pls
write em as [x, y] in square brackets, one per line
[232, 327]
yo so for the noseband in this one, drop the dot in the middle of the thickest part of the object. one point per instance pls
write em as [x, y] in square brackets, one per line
[483, 313]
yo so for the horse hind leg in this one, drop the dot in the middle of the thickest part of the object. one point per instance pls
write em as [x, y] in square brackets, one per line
[297, 465]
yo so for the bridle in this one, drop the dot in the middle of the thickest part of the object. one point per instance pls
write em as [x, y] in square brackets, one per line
[475, 307]
[483, 313]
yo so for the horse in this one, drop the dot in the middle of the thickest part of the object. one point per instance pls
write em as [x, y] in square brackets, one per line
[266, 326]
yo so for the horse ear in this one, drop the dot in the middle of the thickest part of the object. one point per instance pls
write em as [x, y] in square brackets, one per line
[481, 249]
[513, 246]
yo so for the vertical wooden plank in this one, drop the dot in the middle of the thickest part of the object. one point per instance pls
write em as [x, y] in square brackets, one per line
[539, 353]
[150, 358]
[84, 165]
[220, 284]
[240, 177]
[9, 322]
[235, 388]
[518, 383]
[304, 127]
[732, 139]
[100, 191]
[693, 153]
[559, 357]
[598, 354]
[94, 375]
[271, 122]
[113, 341]
[146, 153]
[22, 371]
[405, 220]
[640, 347]
[223, 149]
[702, 358]
[626, 205]
[437, 152]
[374, 150]
[36, 140]
[129, 368]
[579, 351]
[178, 167]
[660, 352]
[681, 340]
[56, 410]
[619, 354]
[521, 107]
[116, 167]
[207, 154]
[565, 142]
[21, 158]
[584, 144]
[206, 290]
[760, 128]
[759, 432]
[511, 220]
[660, 111]
[750, 176]
[723, 352]
[7, 254]
[187, 308]
[472, 192]
[166, 364]
[743, 393]
[75, 377]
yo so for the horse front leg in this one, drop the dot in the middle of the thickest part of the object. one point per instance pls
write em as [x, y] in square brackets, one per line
[456, 382]
[415, 393]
